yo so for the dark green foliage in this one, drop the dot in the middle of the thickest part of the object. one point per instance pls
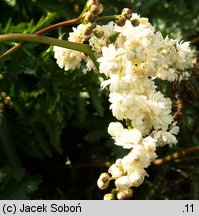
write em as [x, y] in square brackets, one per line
[61, 114]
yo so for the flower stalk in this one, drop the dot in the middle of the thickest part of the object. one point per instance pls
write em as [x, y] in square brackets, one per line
[51, 41]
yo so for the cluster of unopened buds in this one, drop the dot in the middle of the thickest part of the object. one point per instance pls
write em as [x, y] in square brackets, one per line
[132, 56]
[5, 100]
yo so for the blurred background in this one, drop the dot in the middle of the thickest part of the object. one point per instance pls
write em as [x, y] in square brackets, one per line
[60, 117]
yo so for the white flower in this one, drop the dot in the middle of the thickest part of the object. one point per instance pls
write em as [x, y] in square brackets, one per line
[142, 122]
[136, 159]
[135, 16]
[159, 109]
[116, 84]
[127, 106]
[164, 138]
[123, 183]
[167, 137]
[137, 177]
[169, 74]
[124, 194]
[78, 34]
[184, 55]
[115, 129]
[150, 146]
[128, 138]
[120, 84]
[111, 60]
[177, 57]
[135, 52]
[90, 65]
[116, 170]
[67, 59]
[133, 105]
[116, 99]
[173, 129]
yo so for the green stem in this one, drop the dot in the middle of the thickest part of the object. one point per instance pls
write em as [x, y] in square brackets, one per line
[55, 26]
[40, 32]
[52, 41]
[84, 10]
[128, 122]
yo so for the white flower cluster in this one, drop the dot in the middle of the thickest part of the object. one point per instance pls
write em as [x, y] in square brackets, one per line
[132, 62]
[70, 59]
[132, 57]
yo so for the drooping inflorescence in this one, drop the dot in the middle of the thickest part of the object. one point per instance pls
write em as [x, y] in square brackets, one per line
[132, 55]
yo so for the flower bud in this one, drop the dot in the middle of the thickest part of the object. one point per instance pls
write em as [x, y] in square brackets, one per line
[126, 194]
[121, 20]
[88, 17]
[7, 100]
[3, 95]
[98, 33]
[127, 13]
[103, 181]
[90, 3]
[135, 22]
[109, 196]
[116, 170]
[94, 25]
[137, 177]
[94, 9]
[115, 128]
[100, 9]
[123, 183]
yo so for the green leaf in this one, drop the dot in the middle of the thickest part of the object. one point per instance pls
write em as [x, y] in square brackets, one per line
[54, 132]
[17, 188]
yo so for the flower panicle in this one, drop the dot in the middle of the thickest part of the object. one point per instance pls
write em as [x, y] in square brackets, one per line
[130, 63]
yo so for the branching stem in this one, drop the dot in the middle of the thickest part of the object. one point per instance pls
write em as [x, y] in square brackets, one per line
[53, 27]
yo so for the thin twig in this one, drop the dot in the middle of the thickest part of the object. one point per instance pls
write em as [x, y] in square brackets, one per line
[178, 103]
[176, 155]
[195, 40]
